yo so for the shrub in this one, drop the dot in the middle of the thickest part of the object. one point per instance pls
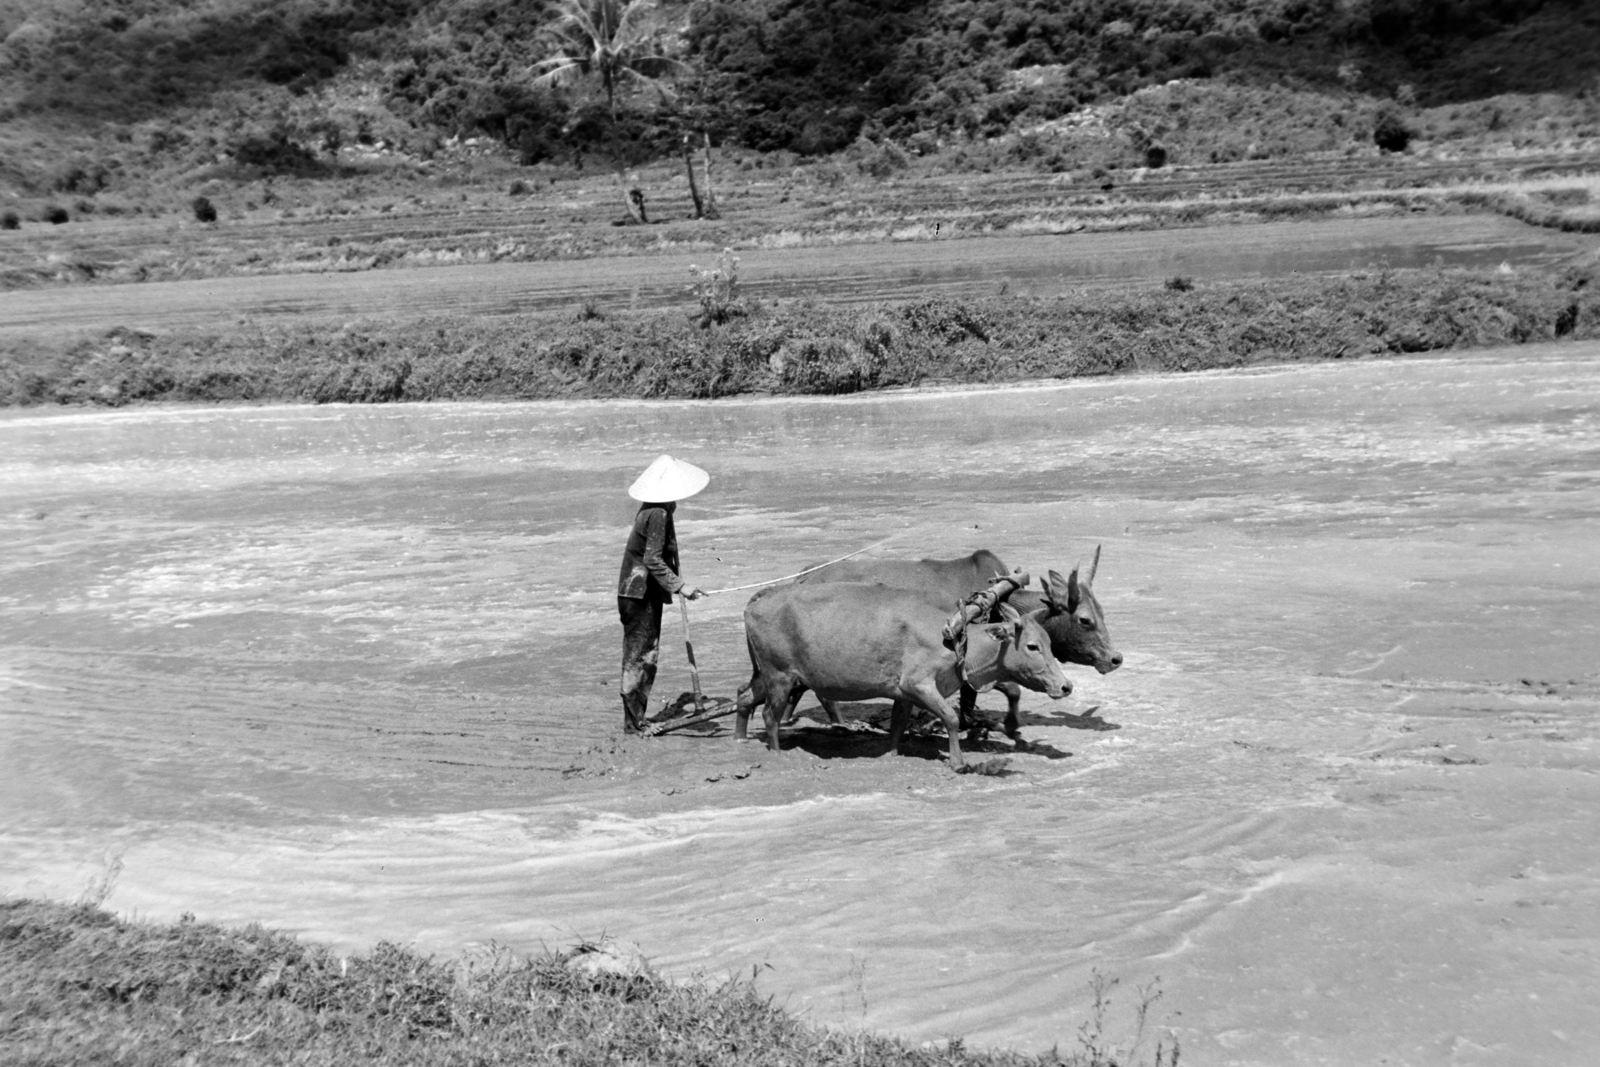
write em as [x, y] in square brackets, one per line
[1180, 283]
[518, 188]
[716, 290]
[826, 365]
[10, 221]
[204, 209]
[880, 160]
[951, 321]
[55, 214]
[81, 179]
[1390, 133]
[276, 153]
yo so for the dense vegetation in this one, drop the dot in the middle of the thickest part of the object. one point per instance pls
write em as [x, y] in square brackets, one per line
[809, 74]
[96, 90]
[79, 986]
[725, 345]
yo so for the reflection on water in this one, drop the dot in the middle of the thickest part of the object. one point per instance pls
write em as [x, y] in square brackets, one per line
[350, 671]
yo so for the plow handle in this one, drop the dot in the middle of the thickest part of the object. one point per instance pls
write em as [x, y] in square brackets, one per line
[688, 647]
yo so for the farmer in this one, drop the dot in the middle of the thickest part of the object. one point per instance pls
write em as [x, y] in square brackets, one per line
[650, 577]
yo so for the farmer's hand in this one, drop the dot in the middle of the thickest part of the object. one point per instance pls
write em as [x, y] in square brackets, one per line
[694, 593]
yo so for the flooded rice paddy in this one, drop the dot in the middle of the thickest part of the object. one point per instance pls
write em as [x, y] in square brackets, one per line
[351, 672]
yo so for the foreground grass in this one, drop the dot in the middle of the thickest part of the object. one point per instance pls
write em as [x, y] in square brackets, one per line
[726, 346]
[79, 986]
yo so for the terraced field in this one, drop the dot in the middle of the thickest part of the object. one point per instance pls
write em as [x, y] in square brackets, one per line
[409, 220]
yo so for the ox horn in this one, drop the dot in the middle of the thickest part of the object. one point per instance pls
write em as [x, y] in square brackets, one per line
[1093, 567]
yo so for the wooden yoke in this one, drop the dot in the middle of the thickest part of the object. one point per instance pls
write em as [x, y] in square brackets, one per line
[979, 606]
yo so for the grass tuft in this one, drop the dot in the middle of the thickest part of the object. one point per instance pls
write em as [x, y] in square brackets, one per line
[81, 986]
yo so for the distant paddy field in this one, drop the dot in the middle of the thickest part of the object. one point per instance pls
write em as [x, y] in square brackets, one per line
[1043, 265]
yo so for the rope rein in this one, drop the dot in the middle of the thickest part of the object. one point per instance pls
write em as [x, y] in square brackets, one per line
[808, 570]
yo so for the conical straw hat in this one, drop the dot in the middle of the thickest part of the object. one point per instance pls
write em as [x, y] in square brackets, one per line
[668, 479]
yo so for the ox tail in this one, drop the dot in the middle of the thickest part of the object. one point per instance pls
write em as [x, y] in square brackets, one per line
[754, 691]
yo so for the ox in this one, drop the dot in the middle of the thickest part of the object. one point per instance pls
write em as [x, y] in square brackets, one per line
[855, 641]
[1073, 619]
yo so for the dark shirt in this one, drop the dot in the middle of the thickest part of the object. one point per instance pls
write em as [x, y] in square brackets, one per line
[650, 563]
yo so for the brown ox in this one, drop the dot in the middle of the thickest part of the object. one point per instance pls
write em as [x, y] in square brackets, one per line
[853, 641]
[1073, 619]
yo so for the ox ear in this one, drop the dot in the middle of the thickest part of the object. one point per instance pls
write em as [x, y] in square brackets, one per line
[1074, 590]
[1093, 567]
[1009, 627]
[1055, 593]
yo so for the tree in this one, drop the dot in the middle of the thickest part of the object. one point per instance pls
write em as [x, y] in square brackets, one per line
[621, 44]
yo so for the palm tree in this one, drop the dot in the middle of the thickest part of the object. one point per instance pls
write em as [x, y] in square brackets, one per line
[619, 43]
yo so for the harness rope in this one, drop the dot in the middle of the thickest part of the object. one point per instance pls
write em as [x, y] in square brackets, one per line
[808, 570]
[979, 605]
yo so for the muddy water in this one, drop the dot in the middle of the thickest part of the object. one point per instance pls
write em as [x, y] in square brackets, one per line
[350, 672]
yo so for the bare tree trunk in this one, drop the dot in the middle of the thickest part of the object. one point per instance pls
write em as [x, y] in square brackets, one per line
[632, 198]
[694, 186]
[711, 211]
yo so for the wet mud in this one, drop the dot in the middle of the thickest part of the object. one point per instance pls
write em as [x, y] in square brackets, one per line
[352, 671]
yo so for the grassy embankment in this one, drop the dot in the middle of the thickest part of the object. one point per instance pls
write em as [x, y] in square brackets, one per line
[726, 345]
[79, 986]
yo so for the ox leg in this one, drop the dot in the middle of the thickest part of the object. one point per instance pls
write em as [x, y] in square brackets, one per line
[827, 705]
[1013, 728]
[899, 719]
[782, 695]
[971, 722]
[928, 696]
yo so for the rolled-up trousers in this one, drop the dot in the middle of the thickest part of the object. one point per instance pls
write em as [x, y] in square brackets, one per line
[641, 643]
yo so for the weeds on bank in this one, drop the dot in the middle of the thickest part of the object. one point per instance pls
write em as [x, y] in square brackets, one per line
[715, 290]
[78, 985]
[805, 347]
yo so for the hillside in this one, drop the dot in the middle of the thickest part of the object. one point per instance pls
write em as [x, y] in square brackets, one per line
[98, 96]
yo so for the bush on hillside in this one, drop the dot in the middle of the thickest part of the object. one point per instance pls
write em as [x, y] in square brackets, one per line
[1390, 133]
